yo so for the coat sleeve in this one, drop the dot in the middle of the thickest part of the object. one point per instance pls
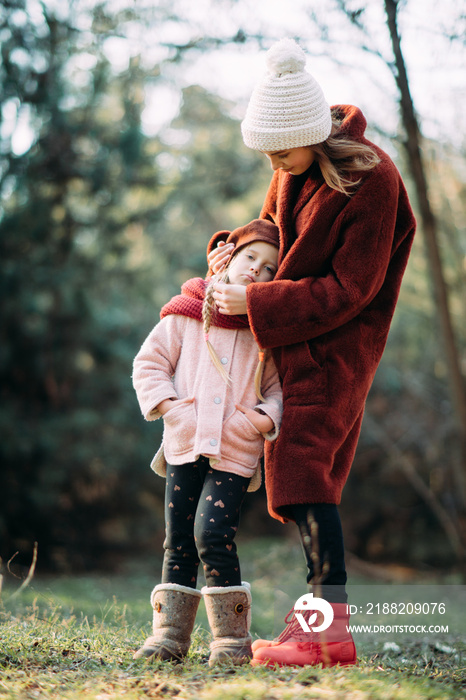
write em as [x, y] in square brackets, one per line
[155, 364]
[272, 393]
[284, 311]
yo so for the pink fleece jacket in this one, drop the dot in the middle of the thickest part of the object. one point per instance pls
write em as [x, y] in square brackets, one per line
[174, 363]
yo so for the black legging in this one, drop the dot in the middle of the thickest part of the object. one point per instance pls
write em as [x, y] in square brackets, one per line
[330, 541]
[202, 511]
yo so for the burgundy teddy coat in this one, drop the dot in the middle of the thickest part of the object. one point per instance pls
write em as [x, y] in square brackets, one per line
[327, 314]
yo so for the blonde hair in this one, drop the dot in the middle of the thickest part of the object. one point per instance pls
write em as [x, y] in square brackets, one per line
[207, 313]
[338, 156]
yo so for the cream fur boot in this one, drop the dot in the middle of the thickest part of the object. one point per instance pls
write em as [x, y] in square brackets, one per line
[229, 614]
[175, 609]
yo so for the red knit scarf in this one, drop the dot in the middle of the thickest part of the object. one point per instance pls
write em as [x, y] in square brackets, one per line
[189, 303]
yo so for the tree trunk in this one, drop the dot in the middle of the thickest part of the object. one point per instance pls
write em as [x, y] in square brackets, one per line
[430, 230]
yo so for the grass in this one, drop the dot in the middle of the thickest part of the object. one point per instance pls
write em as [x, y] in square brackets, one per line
[73, 637]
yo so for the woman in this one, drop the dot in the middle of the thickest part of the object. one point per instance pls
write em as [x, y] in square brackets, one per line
[346, 230]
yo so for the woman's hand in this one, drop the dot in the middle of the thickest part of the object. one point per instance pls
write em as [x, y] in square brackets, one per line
[230, 298]
[167, 404]
[219, 256]
[262, 422]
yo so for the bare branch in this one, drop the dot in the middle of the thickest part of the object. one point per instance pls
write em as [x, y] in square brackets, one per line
[401, 460]
[30, 575]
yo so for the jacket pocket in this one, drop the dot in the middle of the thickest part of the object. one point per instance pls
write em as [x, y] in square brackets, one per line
[304, 371]
[180, 424]
[241, 441]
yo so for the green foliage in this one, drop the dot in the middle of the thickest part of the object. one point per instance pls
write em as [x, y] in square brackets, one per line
[67, 324]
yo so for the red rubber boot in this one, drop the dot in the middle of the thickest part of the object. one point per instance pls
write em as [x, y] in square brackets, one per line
[295, 647]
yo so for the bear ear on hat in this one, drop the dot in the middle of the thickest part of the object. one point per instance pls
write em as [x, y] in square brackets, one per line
[216, 238]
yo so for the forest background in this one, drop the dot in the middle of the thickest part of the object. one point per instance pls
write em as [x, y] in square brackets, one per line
[120, 155]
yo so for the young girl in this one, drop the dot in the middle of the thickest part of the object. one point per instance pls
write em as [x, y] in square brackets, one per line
[346, 229]
[200, 371]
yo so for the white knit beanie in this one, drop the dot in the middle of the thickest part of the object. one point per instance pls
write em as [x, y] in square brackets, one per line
[287, 108]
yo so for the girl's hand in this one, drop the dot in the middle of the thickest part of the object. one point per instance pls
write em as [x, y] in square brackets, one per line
[262, 422]
[167, 404]
[219, 256]
[230, 298]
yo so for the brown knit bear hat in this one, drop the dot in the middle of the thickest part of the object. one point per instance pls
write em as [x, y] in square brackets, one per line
[256, 230]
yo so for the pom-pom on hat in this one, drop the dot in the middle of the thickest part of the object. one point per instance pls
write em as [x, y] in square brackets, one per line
[287, 108]
[256, 230]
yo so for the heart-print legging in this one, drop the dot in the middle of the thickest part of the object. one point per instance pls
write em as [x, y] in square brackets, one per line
[202, 512]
